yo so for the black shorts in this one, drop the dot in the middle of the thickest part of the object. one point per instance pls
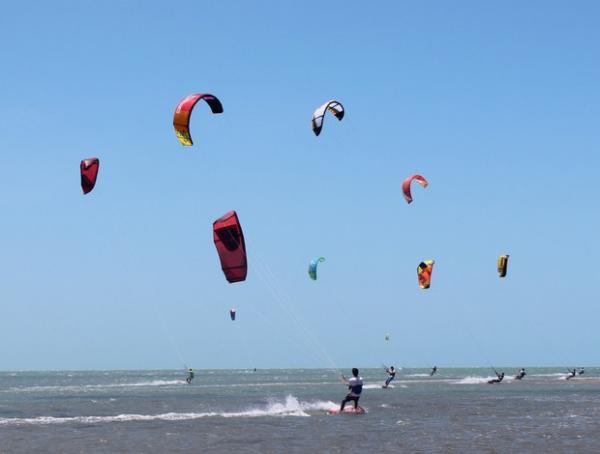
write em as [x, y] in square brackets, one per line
[351, 398]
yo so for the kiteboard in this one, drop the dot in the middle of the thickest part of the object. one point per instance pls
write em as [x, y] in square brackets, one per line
[347, 410]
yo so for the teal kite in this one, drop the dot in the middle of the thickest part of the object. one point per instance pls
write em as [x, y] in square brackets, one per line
[312, 267]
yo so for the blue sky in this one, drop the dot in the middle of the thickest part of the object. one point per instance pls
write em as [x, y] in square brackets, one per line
[497, 105]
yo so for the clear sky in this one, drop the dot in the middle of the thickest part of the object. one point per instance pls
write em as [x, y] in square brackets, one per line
[496, 104]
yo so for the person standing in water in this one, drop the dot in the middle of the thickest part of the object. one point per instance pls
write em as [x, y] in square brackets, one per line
[355, 385]
[190, 376]
[497, 380]
[520, 375]
[433, 371]
[392, 374]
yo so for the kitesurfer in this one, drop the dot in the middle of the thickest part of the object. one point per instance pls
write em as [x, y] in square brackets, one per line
[572, 373]
[355, 385]
[392, 374]
[520, 375]
[500, 377]
[433, 371]
[190, 376]
[581, 371]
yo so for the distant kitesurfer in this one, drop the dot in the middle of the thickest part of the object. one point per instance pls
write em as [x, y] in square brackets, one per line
[520, 375]
[392, 374]
[190, 376]
[433, 371]
[500, 377]
[572, 373]
[355, 385]
[581, 371]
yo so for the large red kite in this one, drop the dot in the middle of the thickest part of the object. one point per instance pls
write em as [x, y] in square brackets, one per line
[89, 173]
[229, 241]
[181, 119]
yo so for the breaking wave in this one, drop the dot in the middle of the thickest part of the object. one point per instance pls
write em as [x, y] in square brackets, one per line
[290, 407]
[374, 386]
[473, 380]
[63, 388]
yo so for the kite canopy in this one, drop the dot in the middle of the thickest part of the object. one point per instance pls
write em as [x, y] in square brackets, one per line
[89, 172]
[332, 106]
[312, 267]
[406, 185]
[229, 241]
[232, 314]
[502, 265]
[424, 271]
[183, 112]
[387, 337]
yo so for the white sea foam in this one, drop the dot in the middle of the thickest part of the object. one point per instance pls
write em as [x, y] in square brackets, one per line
[417, 375]
[66, 388]
[473, 380]
[147, 383]
[374, 386]
[198, 384]
[290, 407]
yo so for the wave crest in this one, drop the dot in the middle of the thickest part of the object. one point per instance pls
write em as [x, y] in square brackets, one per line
[290, 407]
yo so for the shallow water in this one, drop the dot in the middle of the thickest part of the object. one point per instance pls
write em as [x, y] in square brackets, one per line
[286, 411]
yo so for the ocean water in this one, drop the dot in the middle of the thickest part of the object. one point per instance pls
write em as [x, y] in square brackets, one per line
[283, 411]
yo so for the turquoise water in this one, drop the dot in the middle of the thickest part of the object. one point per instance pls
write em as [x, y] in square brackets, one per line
[281, 410]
